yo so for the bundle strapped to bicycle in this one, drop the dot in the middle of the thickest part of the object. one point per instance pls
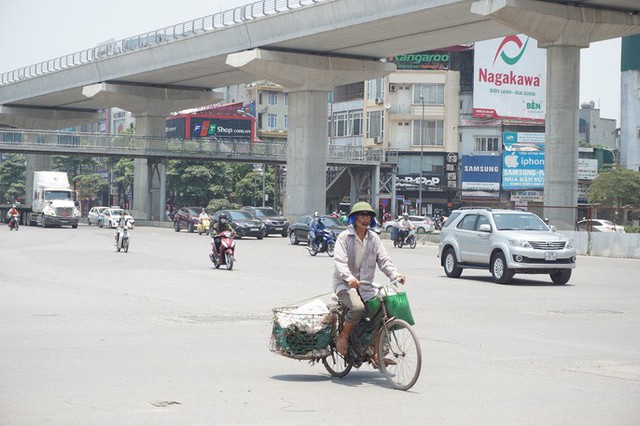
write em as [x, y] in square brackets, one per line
[302, 332]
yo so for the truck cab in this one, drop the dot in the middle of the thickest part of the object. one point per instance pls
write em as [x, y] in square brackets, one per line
[54, 202]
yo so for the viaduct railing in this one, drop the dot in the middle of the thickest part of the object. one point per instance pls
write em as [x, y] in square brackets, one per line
[125, 145]
[217, 21]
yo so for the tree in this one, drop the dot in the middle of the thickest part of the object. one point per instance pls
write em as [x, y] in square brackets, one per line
[123, 171]
[90, 186]
[616, 187]
[12, 177]
[74, 165]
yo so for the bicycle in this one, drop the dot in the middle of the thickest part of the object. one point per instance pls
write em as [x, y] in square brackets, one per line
[398, 348]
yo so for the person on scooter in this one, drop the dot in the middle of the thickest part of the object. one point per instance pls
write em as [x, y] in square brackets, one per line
[13, 214]
[317, 225]
[357, 252]
[218, 227]
[405, 227]
[123, 222]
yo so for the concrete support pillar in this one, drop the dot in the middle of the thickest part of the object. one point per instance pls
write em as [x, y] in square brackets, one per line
[307, 79]
[561, 136]
[306, 152]
[149, 177]
[375, 182]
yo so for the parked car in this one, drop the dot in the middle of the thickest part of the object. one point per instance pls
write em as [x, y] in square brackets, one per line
[94, 213]
[599, 225]
[505, 242]
[243, 223]
[111, 215]
[274, 221]
[420, 224]
[186, 218]
[299, 229]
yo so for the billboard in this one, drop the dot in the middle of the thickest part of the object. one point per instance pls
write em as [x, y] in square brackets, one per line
[510, 79]
[209, 126]
[481, 172]
[522, 170]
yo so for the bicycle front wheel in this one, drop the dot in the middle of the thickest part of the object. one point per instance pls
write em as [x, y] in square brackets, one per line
[399, 354]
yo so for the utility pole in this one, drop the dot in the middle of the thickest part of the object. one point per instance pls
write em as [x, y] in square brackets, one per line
[421, 156]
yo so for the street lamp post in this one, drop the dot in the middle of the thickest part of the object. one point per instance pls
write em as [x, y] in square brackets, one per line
[421, 156]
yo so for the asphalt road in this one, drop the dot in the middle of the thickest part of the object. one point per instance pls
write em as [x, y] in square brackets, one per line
[158, 337]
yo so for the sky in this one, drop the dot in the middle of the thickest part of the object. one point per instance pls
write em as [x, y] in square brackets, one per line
[33, 31]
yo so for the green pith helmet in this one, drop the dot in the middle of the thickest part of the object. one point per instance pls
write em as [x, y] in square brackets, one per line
[362, 206]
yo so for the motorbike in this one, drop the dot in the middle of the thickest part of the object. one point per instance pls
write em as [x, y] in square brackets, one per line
[227, 248]
[14, 222]
[123, 241]
[203, 226]
[409, 239]
[327, 245]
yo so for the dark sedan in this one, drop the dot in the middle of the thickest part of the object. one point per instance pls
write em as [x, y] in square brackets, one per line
[299, 229]
[243, 223]
[186, 218]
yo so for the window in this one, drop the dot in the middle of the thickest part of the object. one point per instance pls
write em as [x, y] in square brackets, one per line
[272, 99]
[486, 143]
[468, 222]
[286, 121]
[375, 124]
[355, 123]
[432, 134]
[433, 94]
[286, 99]
[340, 124]
[375, 88]
[272, 121]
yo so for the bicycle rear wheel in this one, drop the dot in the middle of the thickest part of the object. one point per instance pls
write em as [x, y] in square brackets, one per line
[336, 365]
[399, 354]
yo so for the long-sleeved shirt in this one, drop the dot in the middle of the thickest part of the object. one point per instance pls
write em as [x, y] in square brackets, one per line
[344, 259]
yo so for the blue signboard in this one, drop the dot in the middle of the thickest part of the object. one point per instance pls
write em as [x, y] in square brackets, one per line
[522, 170]
[481, 172]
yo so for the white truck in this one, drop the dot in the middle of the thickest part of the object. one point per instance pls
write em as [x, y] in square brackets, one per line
[54, 202]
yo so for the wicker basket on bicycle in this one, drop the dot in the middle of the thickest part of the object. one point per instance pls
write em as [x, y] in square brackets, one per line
[301, 335]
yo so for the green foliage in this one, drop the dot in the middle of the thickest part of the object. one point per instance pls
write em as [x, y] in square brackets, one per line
[123, 171]
[616, 187]
[217, 184]
[221, 204]
[90, 186]
[74, 165]
[12, 177]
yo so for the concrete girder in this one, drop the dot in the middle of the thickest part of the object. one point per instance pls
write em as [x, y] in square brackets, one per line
[297, 71]
[558, 24]
[150, 106]
[44, 118]
[141, 100]
[307, 79]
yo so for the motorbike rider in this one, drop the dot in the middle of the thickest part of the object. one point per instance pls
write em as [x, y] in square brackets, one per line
[203, 214]
[317, 225]
[13, 214]
[123, 222]
[405, 227]
[221, 225]
[358, 251]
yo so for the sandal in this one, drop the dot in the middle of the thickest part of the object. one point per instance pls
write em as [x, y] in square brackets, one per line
[387, 362]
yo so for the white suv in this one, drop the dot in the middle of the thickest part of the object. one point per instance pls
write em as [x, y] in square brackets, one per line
[506, 242]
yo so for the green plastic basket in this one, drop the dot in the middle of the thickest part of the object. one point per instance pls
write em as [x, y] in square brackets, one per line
[397, 306]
